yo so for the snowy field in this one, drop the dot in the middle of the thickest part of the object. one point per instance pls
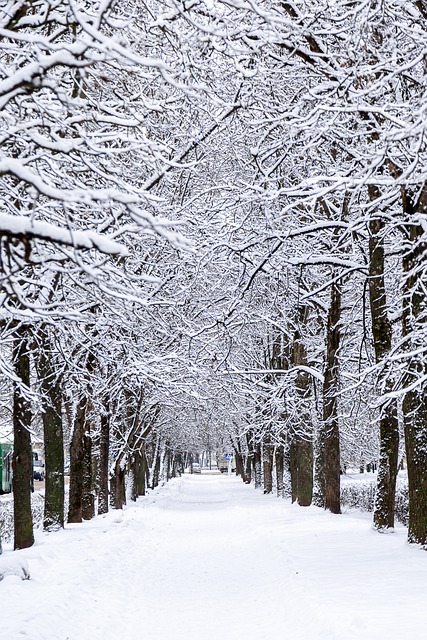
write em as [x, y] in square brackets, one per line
[206, 557]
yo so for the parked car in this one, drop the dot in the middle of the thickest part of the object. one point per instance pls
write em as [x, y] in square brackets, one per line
[196, 468]
[38, 470]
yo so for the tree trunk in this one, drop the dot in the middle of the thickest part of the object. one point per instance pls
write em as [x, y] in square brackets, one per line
[104, 443]
[329, 441]
[302, 438]
[415, 420]
[267, 461]
[155, 465]
[117, 487]
[301, 469]
[257, 465]
[280, 467]
[179, 466]
[76, 464]
[293, 468]
[139, 474]
[249, 454]
[135, 463]
[22, 454]
[240, 469]
[156, 472]
[415, 400]
[53, 442]
[167, 462]
[304, 471]
[382, 333]
[142, 475]
[88, 496]
[319, 478]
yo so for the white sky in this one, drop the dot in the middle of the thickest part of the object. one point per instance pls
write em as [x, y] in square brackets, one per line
[207, 557]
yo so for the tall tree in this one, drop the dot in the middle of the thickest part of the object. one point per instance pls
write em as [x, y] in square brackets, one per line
[22, 452]
[52, 432]
[301, 450]
[382, 333]
[77, 462]
[329, 439]
[414, 402]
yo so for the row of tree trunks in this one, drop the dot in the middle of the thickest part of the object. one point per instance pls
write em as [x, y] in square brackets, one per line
[273, 457]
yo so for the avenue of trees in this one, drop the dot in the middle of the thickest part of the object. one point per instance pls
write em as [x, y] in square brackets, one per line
[212, 236]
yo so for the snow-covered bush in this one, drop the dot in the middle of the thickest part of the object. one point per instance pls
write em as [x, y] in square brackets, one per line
[6, 516]
[402, 504]
[361, 495]
[358, 495]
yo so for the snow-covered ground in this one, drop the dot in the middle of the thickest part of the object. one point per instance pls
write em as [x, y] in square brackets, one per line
[207, 557]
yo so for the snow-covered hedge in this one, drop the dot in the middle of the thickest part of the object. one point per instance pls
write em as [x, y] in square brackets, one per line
[361, 495]
[6, 516]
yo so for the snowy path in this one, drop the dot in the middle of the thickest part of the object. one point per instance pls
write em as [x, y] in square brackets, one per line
[207, 557]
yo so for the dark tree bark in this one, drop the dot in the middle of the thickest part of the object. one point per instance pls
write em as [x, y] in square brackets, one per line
[249, 454]
[382, 333]
[240, 468]
[329, 440]
[293, 469]
[142, 475]
[156, 472]
[280, 469]
[301, 453]
[319, 479]
[302, 437]
[88, 493]
[257, 465]
[178, 465]
[117, 487]
[267, 461]
[76, 464]
[154, 463]
[53, 441]
[104, 442]
[168, 460]
[22, 454]
[415, 399]
[139, 474]
[134, 472]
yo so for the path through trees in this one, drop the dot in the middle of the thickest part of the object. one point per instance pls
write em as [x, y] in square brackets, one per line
[213, 235]
[206, 556]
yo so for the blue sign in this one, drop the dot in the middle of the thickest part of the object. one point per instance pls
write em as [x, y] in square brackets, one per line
[228, 456]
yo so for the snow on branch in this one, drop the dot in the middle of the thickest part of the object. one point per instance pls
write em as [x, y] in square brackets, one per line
[84, 196]
[261, 372]
[21, 227]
